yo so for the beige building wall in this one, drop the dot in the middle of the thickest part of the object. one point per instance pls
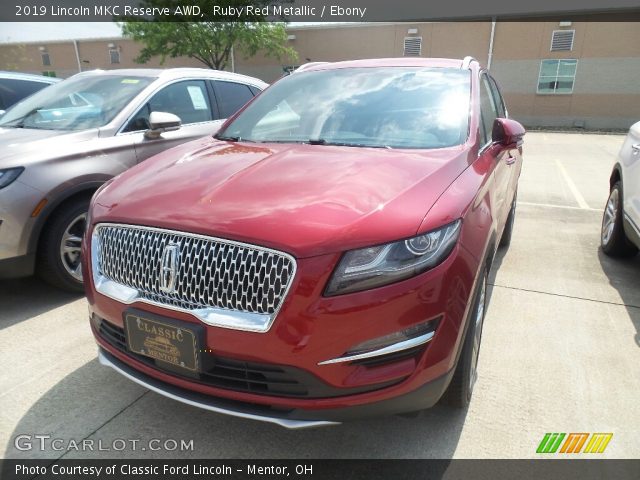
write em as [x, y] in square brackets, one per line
[606, 91]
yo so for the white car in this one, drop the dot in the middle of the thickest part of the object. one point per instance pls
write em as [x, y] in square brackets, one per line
[620, 236]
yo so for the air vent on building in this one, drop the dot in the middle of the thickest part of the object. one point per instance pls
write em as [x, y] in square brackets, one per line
[412, 46]
[562, 40]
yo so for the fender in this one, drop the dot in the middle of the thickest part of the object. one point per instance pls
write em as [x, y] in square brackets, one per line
[55, 198]
[616, 175]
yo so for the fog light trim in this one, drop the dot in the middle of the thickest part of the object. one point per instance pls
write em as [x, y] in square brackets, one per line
[394, 348]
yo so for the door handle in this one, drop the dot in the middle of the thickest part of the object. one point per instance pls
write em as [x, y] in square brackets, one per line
[635, 148]
[511, 160]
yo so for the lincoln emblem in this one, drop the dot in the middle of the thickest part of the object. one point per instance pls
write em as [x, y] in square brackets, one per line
[169, 268]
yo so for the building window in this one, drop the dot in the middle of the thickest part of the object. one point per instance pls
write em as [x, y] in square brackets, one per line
[49, 73]
[46, 60]
[557, 76]
[412, 46]
[562, 40]
[114, 55]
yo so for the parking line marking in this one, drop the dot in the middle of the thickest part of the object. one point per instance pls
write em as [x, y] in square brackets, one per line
[550, 205]
[553, 294]
[572, 186]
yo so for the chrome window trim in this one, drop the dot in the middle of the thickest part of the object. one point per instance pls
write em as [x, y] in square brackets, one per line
[484, 73]
[195, 401]
[216, 317]
[393, 348]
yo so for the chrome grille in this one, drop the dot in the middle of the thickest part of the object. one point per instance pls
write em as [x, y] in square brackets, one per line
[211, 272]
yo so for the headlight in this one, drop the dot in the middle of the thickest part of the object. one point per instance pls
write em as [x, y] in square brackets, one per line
[383, 264]
[8, 175]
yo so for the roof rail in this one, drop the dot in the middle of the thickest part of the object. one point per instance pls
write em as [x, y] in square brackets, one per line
[466, 62]
[304, 66]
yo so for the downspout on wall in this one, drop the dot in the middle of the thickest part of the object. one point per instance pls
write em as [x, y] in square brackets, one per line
[75, 45]
[493, 34]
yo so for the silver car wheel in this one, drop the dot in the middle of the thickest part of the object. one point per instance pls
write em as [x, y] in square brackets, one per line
[477, 335]
[610, 215]
[70, 246]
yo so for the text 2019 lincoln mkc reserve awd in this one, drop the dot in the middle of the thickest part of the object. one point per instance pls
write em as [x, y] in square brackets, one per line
[323, 257]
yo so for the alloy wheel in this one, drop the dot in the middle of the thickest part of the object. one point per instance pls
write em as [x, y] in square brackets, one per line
[610, 215]
[478, 319]
[70, 246]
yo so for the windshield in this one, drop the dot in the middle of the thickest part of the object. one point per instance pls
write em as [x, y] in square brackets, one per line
[78, 103]
[399, 107]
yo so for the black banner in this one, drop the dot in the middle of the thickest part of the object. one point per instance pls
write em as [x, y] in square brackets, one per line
[587, 469]
[305, 10]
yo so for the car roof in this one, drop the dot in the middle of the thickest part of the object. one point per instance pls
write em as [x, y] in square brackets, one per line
[171, 73]
[387, 62]
[29, 77]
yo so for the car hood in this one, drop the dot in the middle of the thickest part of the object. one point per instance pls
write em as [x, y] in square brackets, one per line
[22, 145]
[303, 199]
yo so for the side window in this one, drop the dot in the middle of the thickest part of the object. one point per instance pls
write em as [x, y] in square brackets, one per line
[231, 96]
[188, 100]
[497, 97]
[488, 109]
[12, 91]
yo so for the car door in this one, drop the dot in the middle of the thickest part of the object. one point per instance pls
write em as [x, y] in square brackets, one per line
[630, 159]
[191, 101]
[498, 154]
[514, 157]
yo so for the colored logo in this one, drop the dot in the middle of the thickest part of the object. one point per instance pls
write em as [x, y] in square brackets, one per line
[574, 442]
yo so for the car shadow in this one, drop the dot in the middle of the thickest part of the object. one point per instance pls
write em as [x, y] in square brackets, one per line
[624, 276]
[495, 268]
[24, 298]
[95, 402]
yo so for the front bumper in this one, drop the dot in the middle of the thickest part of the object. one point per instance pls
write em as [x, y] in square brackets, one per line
[17, 267]
[424, 397]
[311, 329]
[17, 202]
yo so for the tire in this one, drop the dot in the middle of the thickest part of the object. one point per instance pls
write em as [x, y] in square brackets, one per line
[505, 240]
[613, 240]
[58, 251]
[460, 389]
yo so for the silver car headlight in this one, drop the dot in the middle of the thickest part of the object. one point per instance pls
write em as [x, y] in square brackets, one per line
[383, 264]
[8, 175]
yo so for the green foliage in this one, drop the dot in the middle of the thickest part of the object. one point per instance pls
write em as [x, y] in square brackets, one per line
[210, 42]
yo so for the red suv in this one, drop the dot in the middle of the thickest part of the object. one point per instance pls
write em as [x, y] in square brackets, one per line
[323, 257]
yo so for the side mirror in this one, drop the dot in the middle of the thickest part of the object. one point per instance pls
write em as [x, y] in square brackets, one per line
[160, 122]
[507, 132]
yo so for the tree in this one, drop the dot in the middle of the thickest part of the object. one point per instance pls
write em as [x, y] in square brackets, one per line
[210, 42]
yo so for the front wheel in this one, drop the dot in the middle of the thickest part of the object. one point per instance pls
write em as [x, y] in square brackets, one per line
[460, 389]
[612, 237]
[59, 261]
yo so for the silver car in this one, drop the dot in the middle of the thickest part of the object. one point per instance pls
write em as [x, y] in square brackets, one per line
[60, 144]
[15, 86]
[620, 234]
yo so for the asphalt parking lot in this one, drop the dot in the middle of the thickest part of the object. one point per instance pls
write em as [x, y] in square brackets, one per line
[560, 351]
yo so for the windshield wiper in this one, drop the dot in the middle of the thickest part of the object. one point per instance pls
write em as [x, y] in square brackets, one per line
[322, 141]
[228, 139]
